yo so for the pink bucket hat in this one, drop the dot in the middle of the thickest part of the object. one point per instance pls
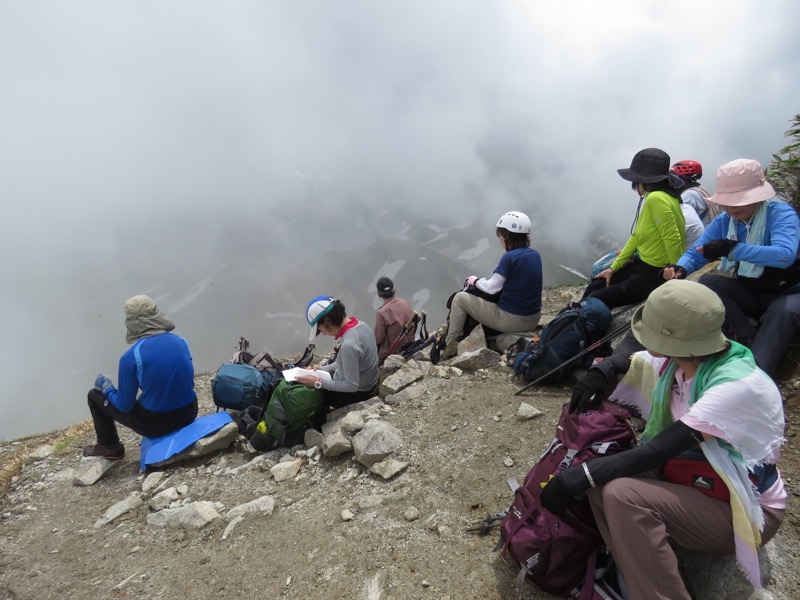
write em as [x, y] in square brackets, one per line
[741, 182]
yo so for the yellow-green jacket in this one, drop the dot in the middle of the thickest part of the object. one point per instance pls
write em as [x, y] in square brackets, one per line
[660, 235]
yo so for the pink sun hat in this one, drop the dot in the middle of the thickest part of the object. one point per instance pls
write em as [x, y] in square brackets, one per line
[741, 182]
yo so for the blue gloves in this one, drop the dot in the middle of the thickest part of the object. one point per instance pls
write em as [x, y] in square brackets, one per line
[102, 382]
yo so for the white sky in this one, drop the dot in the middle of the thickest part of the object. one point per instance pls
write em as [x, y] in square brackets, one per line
[115, 116]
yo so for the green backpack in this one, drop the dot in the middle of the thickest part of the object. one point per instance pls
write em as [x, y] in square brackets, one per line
[290, 411]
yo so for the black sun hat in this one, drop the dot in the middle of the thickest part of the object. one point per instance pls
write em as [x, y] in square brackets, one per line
[648, 166]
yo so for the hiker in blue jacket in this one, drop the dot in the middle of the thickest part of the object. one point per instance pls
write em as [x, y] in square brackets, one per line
[517, 279]
[758, 239]
[160, 365]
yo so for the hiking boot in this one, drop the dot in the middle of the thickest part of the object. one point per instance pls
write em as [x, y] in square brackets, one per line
[450, 351]
[115, 452]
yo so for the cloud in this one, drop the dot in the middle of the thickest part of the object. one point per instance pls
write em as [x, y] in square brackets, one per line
[147, 143]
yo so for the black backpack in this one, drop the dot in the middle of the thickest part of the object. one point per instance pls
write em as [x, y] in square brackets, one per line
[576, 328]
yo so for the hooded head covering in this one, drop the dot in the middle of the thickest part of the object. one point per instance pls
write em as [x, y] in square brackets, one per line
[143, 319]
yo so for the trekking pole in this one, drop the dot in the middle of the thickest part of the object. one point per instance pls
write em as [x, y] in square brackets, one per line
[583, 352]
[410, 325]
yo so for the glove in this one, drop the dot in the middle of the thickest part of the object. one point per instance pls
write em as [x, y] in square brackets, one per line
[102, 382]
[555, 497]
[716, 249]
[680, 272]
[589, 391]
[470, 281]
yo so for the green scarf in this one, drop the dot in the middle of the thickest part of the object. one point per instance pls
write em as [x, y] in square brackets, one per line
[721, 368]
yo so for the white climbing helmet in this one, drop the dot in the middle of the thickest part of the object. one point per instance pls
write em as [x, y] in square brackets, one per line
[515, 222]
[317, 308]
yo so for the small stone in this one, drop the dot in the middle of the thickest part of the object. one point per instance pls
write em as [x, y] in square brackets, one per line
[508, 461]
[495, 419]
[411, 514]
[347, 515]
[426, 583]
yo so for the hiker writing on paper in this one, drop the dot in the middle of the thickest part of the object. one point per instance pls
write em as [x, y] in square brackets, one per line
[354, 371]
[160, 365]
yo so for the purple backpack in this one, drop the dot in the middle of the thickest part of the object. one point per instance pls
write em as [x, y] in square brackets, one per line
[560, 555]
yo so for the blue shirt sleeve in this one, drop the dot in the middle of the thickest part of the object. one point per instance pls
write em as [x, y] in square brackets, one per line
[504, 266]
[783, 229]
[123, 397]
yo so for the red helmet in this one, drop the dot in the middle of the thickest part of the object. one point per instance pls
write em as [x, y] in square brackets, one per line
[691, 170]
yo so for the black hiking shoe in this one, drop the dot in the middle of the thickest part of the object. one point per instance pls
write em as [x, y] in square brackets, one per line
[108, 452]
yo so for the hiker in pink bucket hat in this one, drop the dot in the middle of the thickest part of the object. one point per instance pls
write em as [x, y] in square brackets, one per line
[756, 240]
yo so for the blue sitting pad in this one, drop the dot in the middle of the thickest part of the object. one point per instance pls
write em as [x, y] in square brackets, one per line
[156, 450]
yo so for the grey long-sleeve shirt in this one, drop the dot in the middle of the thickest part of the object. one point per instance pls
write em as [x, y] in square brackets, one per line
[356, 366]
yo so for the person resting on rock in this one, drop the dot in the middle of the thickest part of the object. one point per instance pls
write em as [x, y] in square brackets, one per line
[757, 240]
[354, 371]
[698, 393]
[159, 364]
[517, 280]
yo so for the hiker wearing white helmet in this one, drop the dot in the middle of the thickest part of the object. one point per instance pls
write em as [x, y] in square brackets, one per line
[517, 281]
[354, 371]
[757, 239]
[658, 235]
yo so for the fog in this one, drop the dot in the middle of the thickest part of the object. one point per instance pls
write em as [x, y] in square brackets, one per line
[233, 160]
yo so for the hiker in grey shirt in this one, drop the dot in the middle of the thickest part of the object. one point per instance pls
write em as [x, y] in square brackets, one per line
[354, 371]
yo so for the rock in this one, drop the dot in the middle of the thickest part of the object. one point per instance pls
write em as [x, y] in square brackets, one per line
[91, 469]
[412, 392]
[217, 441]
[336, 443]
[392, 364]
[527, 412]
[163, 499]
[231, 526]
[364, 407]
[312, 438]
[505, 340]
[286, 470]
[40, 453]
[480, 359]
[373, 587]
[411, 514]
[473, 342]
[352, 422]
[388, 467]
[375, 442]
[411, 373]
[192, 516]
[347, 515]
[151, 481]
[120, 508]
[455, 371]
[264, 505]
[508, 461]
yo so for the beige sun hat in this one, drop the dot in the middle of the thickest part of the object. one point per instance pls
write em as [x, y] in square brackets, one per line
[741, 182]
[681, 319]
[143, 319]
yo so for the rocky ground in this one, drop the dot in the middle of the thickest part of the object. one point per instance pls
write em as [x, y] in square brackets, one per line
[334, 530]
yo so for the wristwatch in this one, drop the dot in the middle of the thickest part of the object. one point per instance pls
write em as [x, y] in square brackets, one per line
[318, 383]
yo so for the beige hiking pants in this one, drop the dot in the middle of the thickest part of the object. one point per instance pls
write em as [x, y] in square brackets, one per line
[486, 313]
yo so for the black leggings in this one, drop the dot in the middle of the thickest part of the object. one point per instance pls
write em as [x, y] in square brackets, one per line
[630, 285]
[144, 422]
